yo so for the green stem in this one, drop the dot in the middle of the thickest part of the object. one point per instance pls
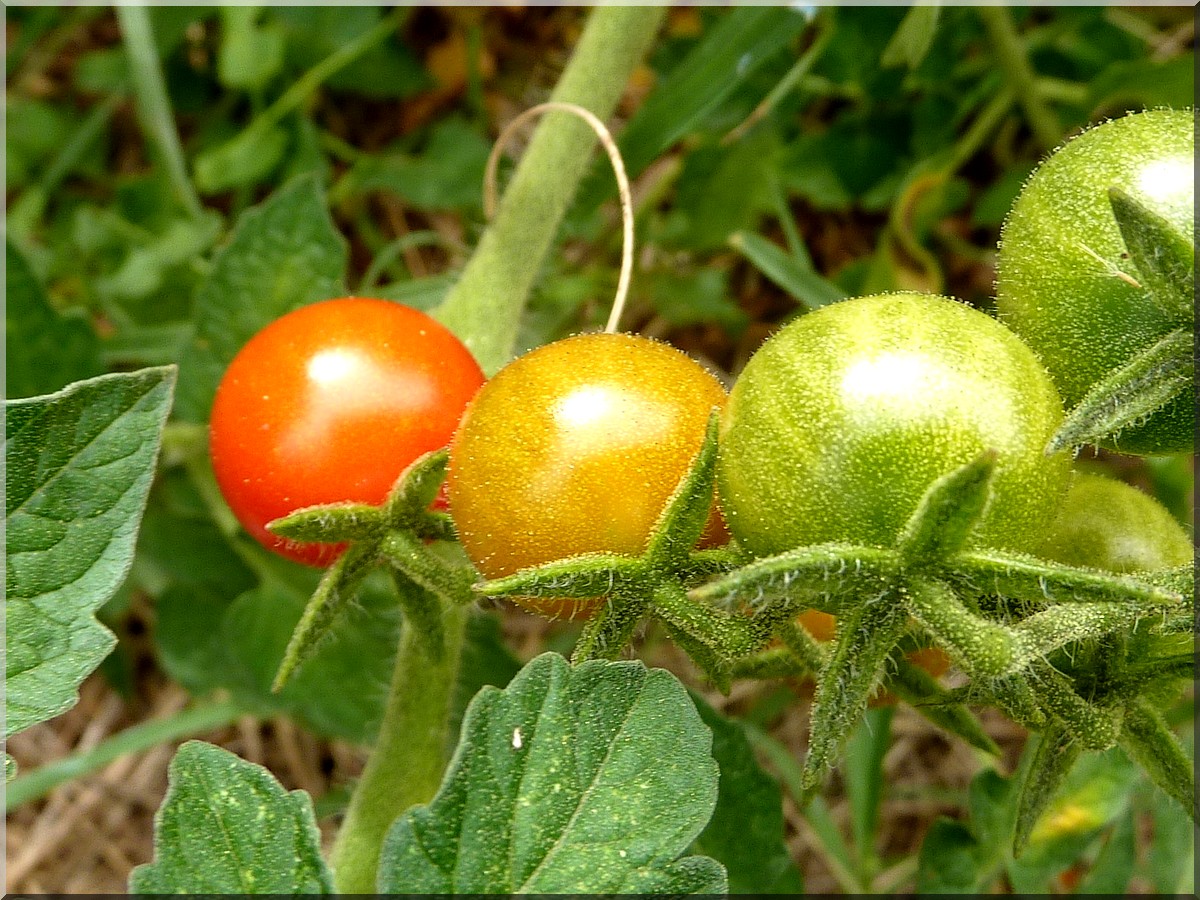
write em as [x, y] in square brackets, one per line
[196, 720]
[153, 105]
[1013, 60]
[500, 274]
[406, 764]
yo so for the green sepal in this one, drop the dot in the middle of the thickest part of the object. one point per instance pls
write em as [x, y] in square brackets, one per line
[1059, 625]
[1180, 580]
[1146, 738]
[1136, 676]
[331, 523]
[422, 613]
[683, 519]
[981, 648]
[1013, 695]
[920, 690]
[334, 593]
[805, 575]
[717, 670]
[1165, 258]
[417, 487]
[810, 652]
[702, 564]
[777, 662]
[588, 575]
[1145, 384]
[728, 635]
[1053, 756]
[420, 564]
[611, 627]
[1096, 727]
[862, 643]
[1037, 581]
[947, 513]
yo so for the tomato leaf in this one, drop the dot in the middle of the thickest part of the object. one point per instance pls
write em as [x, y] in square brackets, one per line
[1164, 257]
[587, 779]
[283, 254]
[794, 275]
[227, 826]
[44, 350]
[947, 513]
[1148, 740]
[77, 467]
[746, 831]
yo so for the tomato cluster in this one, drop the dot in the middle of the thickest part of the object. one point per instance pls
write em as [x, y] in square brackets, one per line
[833, 432]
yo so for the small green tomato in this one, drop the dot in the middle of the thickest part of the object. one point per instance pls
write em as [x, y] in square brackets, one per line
[843, 419]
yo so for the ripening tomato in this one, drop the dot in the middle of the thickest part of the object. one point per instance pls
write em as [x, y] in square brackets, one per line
[576, 448]
[1061, 255]
[844, 418]
[1106, 524]
[329, 404]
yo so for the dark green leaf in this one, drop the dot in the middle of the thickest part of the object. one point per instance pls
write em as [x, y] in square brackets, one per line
[77, 467]
[948, 861]
[44, 350]
[746, 833]
[1113, 868]
[228, 827]
[795, 276]
[283, 253]
[558, 785]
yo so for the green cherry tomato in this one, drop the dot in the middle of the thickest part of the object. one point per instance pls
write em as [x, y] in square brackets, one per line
[1061, 259]
[575, 448]
[329, 404]
[844, 418]
[1106, 524]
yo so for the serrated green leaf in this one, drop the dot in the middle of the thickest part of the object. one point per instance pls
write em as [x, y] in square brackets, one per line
[557, 786]
[1145, 384]
[794, 275]
[948, 512]
[283, 254]
[77, 466]
[746, 831]
[227, 826]
[44, 350]
[1165, 259]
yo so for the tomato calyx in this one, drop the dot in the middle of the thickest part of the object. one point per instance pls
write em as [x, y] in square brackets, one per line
[998, 615]
[399, 534]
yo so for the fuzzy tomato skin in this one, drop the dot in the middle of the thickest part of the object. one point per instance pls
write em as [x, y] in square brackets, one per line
[575, 448]
[329, 404]
[844, 418]
[1110, 525]
[1060, 247]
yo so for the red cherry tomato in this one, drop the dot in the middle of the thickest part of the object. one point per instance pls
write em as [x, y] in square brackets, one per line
[576, 448]
[329, 404]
